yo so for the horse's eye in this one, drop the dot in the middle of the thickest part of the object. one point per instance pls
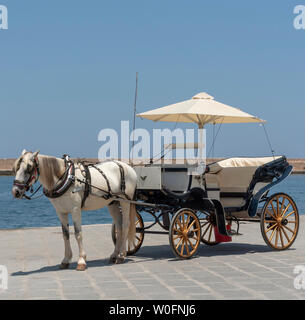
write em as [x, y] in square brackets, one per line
[28, 168]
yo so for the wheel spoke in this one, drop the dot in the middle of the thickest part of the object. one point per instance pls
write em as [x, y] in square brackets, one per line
[271, 214]
[272, 234]
[206, 230]
[178, 244]
[205, 224]
[282, 204]
[271, 227]
[288, 229]
[277, 236]
[285, 234]
[188, 220]
[183, 221]
[176, 230]
[182, 249]
[289, 214]
[193, 222]
[281, 236]
[289, 204]
[191, 244]
[178, 222]
[274, 211]
[187, 248]
[210, 234]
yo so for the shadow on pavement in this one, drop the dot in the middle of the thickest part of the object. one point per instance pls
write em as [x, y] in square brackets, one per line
[73, 265]
[228, 249]
[158, 252]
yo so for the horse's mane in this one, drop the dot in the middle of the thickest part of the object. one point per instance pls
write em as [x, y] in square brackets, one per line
[51, 169]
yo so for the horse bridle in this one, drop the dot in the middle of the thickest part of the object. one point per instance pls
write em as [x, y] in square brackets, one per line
[33, 176]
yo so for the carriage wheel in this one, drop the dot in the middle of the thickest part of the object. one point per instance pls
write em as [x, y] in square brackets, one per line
[279, 221]
[207, 227]
[185, 233]
[132, 248]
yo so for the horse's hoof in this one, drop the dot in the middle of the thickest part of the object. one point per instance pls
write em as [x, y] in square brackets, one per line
[119, 260]
[81, 267]
[64, 266]
[112, 259]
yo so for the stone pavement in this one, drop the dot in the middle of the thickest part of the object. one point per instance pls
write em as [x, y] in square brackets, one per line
[242, 269]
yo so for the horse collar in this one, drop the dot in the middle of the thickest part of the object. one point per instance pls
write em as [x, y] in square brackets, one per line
[66, 182]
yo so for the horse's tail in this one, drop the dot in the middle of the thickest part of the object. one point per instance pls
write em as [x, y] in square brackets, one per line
[132, 224]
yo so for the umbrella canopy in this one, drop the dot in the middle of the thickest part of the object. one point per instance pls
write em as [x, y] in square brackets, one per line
[201, 109]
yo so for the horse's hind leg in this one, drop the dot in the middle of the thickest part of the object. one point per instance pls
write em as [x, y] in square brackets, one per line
[125, 229]
[115, 212]
[77, 221]
[63, 217]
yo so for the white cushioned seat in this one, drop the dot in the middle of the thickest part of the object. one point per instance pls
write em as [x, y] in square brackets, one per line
[234, 175]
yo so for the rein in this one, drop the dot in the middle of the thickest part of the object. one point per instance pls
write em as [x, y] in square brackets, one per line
[30, 197]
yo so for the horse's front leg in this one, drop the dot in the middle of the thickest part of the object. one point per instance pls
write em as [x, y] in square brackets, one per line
[77, 221]
[63, 217]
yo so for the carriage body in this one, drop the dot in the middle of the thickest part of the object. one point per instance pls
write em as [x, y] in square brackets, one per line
[194, 207]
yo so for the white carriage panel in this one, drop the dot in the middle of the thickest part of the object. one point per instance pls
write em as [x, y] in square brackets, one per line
[176, 180]
[149, 178]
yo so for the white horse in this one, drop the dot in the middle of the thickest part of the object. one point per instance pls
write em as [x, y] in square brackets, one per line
[112, 183]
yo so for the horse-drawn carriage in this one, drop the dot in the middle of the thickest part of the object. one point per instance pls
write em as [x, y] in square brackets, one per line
[190, 204]
[194, 208]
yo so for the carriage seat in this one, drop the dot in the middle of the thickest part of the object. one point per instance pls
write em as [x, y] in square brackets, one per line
[235, 174]
[230, 178]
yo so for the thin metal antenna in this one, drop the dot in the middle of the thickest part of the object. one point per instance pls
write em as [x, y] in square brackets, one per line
[134, 115]
[267, 137]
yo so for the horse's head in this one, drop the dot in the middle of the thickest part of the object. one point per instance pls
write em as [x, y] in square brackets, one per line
[26, 173]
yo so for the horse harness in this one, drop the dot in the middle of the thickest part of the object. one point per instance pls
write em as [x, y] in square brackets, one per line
[69, 178]
[108, 193]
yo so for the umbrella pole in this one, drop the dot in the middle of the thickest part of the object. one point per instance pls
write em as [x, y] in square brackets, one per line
[200, 149]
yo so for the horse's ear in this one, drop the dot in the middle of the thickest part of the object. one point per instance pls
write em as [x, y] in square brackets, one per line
[34, 156]
[23, 152]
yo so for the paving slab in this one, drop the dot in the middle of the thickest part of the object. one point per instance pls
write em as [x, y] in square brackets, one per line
[245, 268]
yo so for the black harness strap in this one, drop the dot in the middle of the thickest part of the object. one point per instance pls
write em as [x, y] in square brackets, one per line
[123, 183]
[106, 179]
[87, 190]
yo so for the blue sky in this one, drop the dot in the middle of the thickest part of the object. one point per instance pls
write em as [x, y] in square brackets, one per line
[67, 70]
